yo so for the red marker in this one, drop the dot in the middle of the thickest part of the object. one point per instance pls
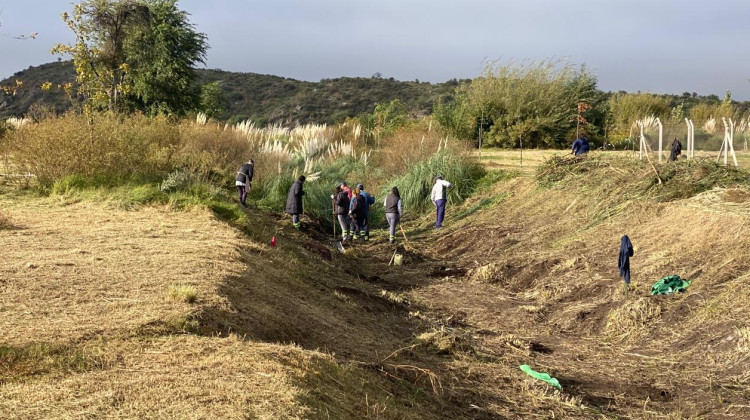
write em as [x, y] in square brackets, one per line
[273, 242]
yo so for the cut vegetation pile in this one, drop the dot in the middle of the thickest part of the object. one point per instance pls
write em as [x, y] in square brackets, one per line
[541, 286]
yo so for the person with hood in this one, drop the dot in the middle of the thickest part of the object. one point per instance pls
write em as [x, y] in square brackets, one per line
[438, 197]
[243, 180]
[580, 146]
[393, 212]
[676, 150]
[341, 209]
[369, 200]
[294, 200]
[358, 212]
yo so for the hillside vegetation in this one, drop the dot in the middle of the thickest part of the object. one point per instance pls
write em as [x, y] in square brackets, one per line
[265, 99]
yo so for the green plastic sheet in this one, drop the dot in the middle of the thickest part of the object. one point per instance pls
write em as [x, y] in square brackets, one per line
[541, 376]
[669, 285]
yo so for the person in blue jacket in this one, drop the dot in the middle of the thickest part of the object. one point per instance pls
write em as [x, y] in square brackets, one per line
[580, 146]
[368, 201]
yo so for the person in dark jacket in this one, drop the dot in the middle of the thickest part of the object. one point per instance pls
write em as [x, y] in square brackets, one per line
[676, 150]
[623, 262]
[294, 200]
[393, 211]
[580, 146]
[341, 209]
[358, 212]
[369, 200]
[243, 180]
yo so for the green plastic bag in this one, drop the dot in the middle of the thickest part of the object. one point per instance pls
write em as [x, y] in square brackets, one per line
[541, 376]
[669, 285]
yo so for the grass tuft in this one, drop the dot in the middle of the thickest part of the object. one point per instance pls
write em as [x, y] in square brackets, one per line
[183, 293]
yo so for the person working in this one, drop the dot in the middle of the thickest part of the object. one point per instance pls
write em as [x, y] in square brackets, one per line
[243, 181]
[294, 200]
[580, 146]
[393, 211]
[439, 197]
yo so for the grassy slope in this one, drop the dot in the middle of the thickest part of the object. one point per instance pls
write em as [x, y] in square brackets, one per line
[89, 326]
[522, 273]
[535, 279]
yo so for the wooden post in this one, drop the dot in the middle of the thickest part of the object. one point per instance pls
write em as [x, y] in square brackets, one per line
[661, 130]
[520, 142]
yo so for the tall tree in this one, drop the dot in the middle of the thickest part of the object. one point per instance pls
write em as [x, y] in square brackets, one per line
[162, 60]
[134, 54]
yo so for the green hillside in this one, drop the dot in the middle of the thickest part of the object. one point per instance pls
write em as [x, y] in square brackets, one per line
[265, 99]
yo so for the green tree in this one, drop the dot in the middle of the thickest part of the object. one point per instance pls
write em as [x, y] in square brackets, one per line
[134, 54]
[537, 102]
[626, 108]
[162, 60]
[212, 101]
[454, 117]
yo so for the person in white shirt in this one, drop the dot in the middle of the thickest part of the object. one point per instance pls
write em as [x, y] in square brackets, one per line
[438, 197]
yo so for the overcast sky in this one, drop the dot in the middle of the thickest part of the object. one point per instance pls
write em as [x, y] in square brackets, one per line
[648, 45]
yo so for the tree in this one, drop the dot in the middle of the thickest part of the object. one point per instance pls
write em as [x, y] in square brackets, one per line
[536, 101]
[134, 54]
[212, 101]
[162, 60]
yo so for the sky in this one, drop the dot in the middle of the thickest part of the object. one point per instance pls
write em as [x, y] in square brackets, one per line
[661, 46]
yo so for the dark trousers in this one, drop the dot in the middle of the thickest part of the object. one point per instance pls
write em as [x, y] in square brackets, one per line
[242, 191]
[359, 224]
[440, 206]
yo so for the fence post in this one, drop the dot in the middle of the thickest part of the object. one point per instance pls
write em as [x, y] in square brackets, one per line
[687, 122]
[642, 141]
[692, 139]
[661, 130]
[731, 141]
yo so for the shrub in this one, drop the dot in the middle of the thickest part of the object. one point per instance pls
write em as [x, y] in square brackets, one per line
[416, 185]
[101, 144]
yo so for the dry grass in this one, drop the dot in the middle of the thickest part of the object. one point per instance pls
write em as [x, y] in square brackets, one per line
[553, 253]
[87, 330]
[5, 221]
[84, 268]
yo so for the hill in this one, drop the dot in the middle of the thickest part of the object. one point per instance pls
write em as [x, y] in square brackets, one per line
[264, 99]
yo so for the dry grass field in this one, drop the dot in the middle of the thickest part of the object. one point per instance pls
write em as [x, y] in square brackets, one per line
[527, 161]
[155, 312]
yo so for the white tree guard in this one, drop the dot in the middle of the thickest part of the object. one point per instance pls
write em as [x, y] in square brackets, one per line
[661, 132]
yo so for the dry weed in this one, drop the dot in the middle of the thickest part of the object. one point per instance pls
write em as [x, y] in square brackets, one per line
[633, 318]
